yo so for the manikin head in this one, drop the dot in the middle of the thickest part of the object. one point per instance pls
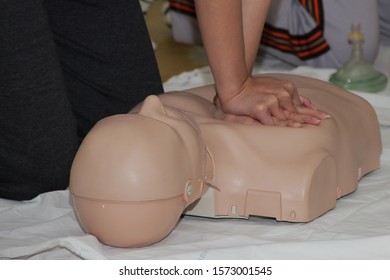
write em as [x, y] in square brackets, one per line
[151, 163]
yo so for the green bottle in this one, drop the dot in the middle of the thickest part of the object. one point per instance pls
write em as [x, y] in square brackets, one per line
[357, 74]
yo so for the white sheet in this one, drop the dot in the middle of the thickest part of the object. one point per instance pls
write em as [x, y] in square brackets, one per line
[358, 228]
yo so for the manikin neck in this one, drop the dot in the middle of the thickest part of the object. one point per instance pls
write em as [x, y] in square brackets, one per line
[207, 165]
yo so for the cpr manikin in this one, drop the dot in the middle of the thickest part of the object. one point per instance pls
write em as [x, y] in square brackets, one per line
[135, 174]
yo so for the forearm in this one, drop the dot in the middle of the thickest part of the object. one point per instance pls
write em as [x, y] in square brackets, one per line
[254, 15]
[221, 25]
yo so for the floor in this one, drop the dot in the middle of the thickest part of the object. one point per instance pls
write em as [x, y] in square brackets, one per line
[173, 58]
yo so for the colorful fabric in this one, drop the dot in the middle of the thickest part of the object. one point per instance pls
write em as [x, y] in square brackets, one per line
[183, 6]
[306, 45]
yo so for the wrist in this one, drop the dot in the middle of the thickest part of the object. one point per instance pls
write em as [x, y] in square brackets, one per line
[229, 88]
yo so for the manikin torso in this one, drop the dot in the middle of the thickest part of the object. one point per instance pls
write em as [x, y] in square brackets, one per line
[135, 174]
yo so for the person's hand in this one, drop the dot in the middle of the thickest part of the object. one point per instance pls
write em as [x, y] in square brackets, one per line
[269, 101]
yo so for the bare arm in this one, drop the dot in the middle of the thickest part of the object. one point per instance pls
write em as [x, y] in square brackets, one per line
[220, 22]
[254, 13]
[231, 31]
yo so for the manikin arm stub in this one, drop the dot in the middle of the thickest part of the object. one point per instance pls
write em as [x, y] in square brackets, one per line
[231, 31]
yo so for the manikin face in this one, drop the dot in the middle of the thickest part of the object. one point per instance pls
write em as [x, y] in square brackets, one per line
[124, 155]
[135, 173]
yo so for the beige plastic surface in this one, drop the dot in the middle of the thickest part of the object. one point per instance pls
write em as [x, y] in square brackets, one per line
[135, 174]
